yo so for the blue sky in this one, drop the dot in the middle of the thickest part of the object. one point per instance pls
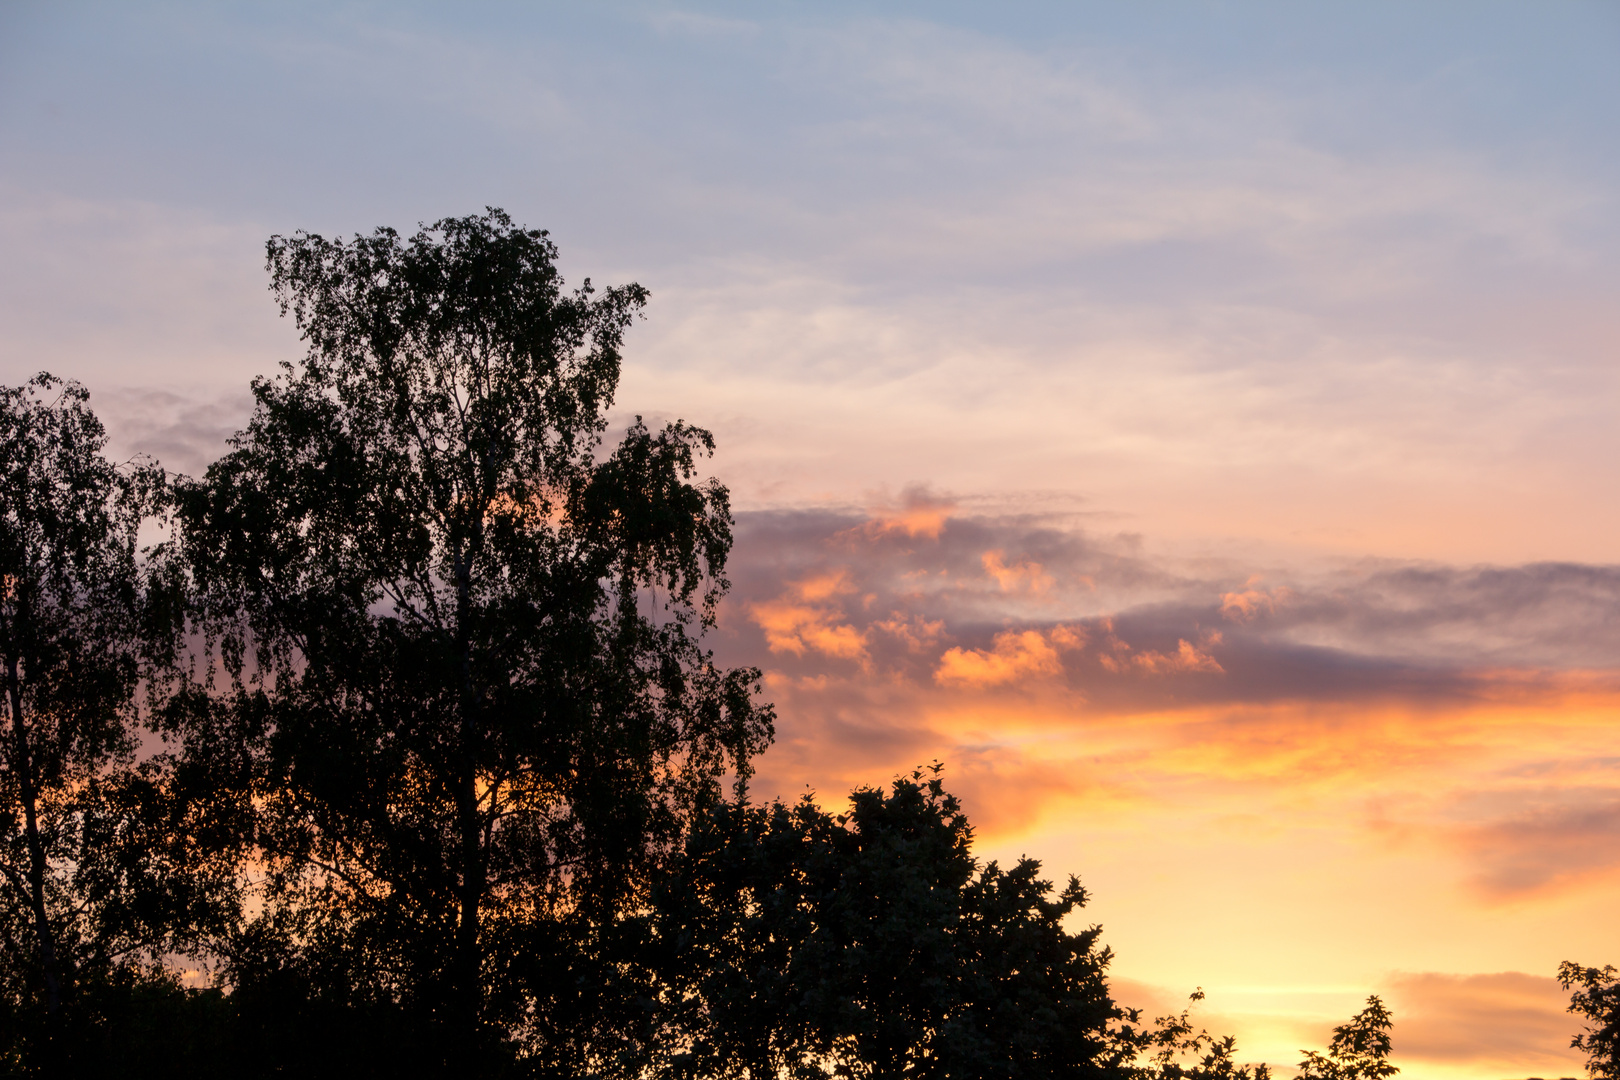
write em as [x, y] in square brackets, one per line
[1334, 249]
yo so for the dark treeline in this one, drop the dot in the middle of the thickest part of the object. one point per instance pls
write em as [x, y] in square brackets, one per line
[395, 750]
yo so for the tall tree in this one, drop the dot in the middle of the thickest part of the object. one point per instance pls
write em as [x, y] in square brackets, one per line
[72, 796]
[460, 643]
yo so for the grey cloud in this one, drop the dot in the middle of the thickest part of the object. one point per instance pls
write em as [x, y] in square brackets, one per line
[1361, 632]
[1427, 639]
[1556, 837]
[185, 434]
[1541, 614]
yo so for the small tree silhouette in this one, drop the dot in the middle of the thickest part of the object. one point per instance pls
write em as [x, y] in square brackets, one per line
[1598, 1000]
[1359, 1050]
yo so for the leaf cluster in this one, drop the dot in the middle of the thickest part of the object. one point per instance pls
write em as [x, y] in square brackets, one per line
[1173, 1049]
[1596, 998]
[797, 943]
[96, 871]
[450, 642]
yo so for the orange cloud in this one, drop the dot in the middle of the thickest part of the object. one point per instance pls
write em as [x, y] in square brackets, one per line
[820, 587]
[1187, 657]
[920, 515]
[1397, 768]
[797, 621]
[1024, 577]
[1067, 637]
[1013, 655]
[1246, 605]
[1114, 659]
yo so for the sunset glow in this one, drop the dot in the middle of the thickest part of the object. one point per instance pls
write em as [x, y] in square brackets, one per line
[1193, 425]
[1220, 776]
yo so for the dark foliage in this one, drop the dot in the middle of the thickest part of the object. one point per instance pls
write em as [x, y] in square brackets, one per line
[1596, 999]
[1172, 1049]
[796, 943]
[94, 871]
[453, 661]
[1359, 1050]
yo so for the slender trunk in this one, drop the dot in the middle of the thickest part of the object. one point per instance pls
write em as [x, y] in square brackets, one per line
[24, 767]
[468, 950]
[468, 988]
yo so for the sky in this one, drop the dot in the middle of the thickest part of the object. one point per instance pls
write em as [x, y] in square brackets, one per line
[1189, 422]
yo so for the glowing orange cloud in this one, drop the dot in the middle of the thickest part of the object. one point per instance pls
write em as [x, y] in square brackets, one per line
[1024, 577]
[1187, 657]
[1444, 775]
[919, 516]
[797, 621]
[1245, 605]
[1014, 655]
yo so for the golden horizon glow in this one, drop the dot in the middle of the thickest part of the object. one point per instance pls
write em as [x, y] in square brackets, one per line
[1223, 811]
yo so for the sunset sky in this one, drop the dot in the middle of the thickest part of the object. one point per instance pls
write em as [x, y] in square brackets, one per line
[1193, 423]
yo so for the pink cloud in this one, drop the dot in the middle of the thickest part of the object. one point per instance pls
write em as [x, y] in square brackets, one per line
[1508, 1021]
[1547, 849]
[917, 633]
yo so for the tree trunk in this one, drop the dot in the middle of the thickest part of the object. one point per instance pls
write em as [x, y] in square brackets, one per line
[468, 992]
[468, 987]
[22, 764]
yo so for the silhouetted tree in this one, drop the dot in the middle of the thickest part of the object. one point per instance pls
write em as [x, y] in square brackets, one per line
[1359, 1050]
[1597, 999]
[90, 878]
[441, 779]
[1175, 1050]
[454, 657]
[872, 944]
